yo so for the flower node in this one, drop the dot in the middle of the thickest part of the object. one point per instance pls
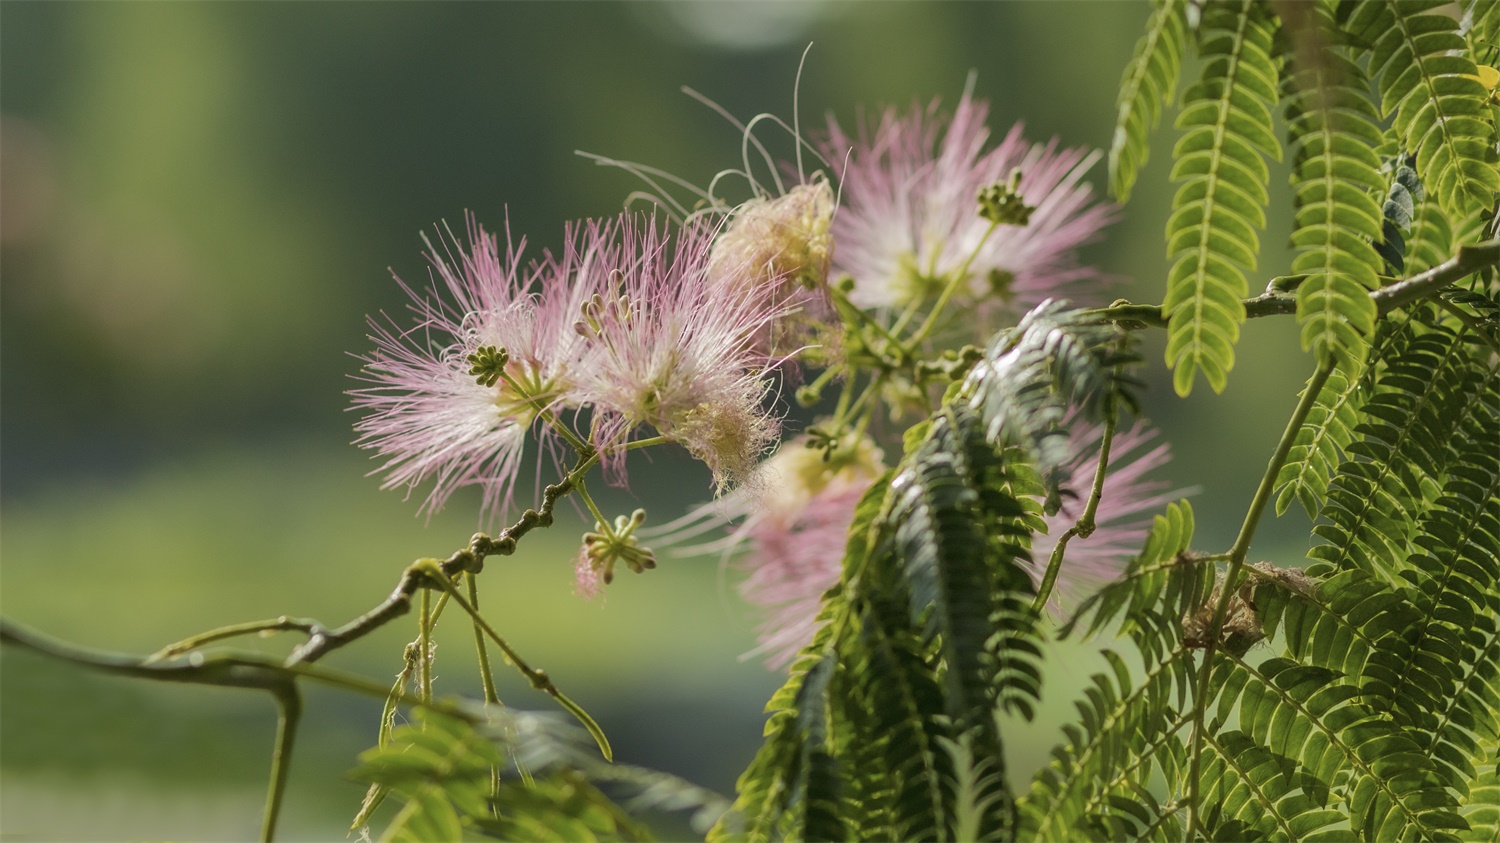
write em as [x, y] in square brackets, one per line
[606, 546]
[487, 364]
[1002, 204]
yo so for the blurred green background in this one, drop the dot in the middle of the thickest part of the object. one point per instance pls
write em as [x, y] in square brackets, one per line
[200, 204]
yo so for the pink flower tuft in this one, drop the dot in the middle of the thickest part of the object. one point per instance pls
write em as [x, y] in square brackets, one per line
[432, 420]
[911, 216]
[585, 577]
[792, 542]
[672, 348]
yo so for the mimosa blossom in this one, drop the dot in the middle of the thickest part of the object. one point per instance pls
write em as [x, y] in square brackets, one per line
[426, 415]
[910, 218]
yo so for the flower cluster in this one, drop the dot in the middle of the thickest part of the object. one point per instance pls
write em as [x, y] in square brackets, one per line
[637, 334]
[626, 323]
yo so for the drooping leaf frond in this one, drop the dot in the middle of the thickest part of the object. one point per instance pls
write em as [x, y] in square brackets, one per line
[1433, 91]
[1320, 445]
[1401, 451]
[1030, 376]
[1212, 236]
[1150, 81]
[1335, 174]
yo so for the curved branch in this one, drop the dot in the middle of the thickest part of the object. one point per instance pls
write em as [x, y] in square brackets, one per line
[1276, 302]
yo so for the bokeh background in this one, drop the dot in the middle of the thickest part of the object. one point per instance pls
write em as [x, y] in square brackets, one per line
[201, 203]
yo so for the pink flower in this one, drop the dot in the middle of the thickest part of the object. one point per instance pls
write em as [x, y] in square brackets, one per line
[673, 348]
[426, 415]
[791, 539]
[910, 218]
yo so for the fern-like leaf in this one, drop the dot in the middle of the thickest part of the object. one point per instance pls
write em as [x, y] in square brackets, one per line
[1212, 236]
[1150, 80]
[1334, 172]
[1432, 88]
[1320, 444]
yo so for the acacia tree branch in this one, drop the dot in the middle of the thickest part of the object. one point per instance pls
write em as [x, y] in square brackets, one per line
[1276, 302]
[1237, 555]
[323, 641]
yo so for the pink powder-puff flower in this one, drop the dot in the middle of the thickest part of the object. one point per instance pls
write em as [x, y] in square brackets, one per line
[427, 414]
[778, 240]
[1125, 507]
[910, 218]
[672, 349]
[789, 531]
[790, 540]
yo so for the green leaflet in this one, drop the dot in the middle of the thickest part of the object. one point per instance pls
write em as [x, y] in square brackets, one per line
[1150, 80]
[1212, 236]
[1303, 714]
[439, 768]
[1483, 813]
[1399, 458]
[1126, 733]
[1335, 173]
[1163, 573]
[1431, 88]
[1320, 444]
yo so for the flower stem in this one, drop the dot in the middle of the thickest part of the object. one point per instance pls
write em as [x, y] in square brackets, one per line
[232, 631]
[1237, 555]
[486, 678]
[583, 448]
[289, 712]
[588, 501]
[424, 637]
[538, 678]
[1085, 525]
[958, 278]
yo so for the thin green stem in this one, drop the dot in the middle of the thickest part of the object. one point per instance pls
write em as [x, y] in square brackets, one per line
[912, 309]
[278, 624]
[538, 678]
[1237, 555]
[588, 501]
[1085, 524]
[581, 447]
[486, 678]
[289, 712]
[859, 313]
[1469, 322]
[959, 277]
[646, 443]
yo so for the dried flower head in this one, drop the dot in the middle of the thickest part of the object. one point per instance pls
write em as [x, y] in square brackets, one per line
[453, 397]
[911, 217]
[778, 240]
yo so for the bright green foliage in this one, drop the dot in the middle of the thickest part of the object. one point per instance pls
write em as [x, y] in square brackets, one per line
[1335, 174]
[1150, 80]
[1401, 450]
[1432, 90]
[1358, 700]
[1212, 236]
[1483, 813]
[1164, 572]
[930, 633]
[1320, 444]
